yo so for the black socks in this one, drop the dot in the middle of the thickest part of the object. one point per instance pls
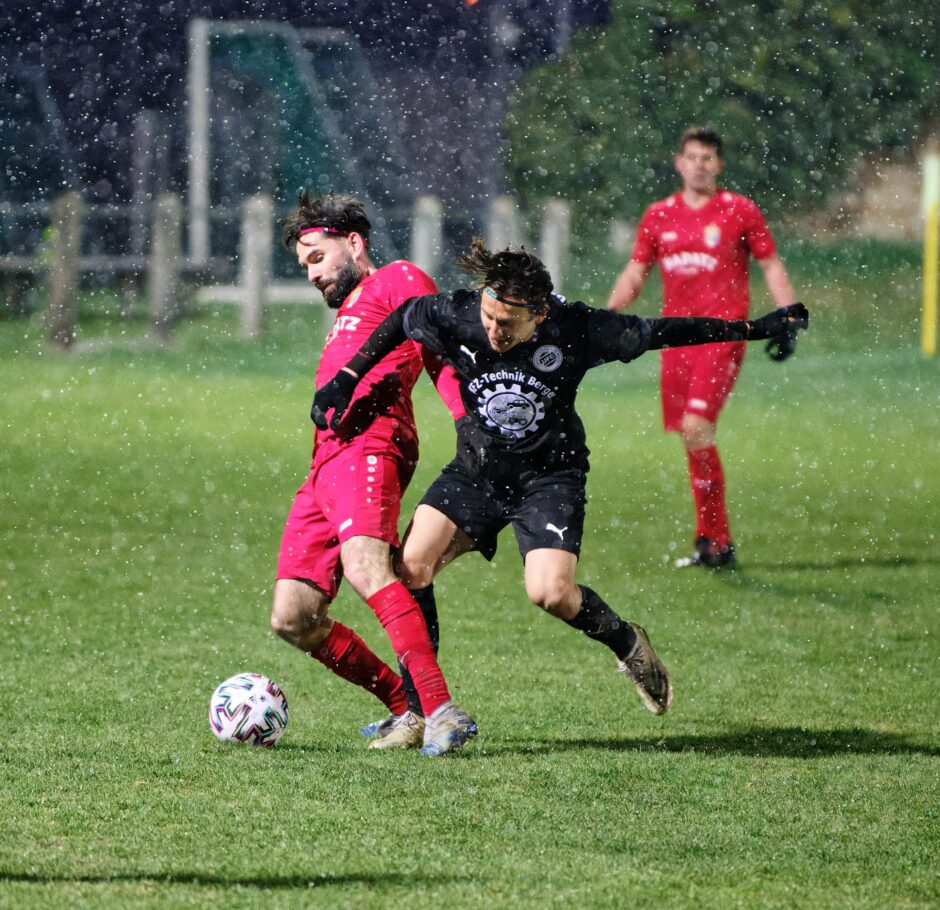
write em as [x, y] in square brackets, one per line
[425, 599]
[596, 620]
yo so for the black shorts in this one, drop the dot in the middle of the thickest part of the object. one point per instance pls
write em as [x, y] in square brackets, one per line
[545, 508]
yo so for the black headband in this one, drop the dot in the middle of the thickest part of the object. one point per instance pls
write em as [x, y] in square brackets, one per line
[534, 307]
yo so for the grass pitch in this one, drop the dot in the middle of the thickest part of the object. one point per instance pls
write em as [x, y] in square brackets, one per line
[143, 495]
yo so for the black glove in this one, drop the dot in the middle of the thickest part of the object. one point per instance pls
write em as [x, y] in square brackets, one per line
[465, 434]
[471, 443]
[785, 319]
[781, 346]
[336, 394]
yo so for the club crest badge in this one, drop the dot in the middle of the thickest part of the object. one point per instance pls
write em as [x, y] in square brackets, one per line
[547, 358]
[712, 235]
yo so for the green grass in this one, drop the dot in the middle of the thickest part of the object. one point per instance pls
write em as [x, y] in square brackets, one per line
[143, 495]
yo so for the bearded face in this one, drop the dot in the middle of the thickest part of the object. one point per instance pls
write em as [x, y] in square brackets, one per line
[342, 285]
[330, 264]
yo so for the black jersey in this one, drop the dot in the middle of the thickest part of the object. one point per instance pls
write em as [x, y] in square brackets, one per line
[522, 402]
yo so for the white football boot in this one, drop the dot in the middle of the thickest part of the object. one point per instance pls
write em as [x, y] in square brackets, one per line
[406, 731]
[447, 729]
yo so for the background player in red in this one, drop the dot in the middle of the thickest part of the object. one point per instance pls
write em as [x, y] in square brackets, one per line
[703, 237]
[344, 519]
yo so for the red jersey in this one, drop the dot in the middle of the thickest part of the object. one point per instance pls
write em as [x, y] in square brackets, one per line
[386, 389]
[703, 253]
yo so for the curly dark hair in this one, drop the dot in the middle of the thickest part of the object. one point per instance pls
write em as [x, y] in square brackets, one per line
[341, 213]
[704, 134]
[513, 271]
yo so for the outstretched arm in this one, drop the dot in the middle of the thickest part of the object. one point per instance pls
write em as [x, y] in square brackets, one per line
[679, 332]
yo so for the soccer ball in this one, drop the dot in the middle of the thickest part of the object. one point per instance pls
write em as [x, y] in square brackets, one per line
[248, 708]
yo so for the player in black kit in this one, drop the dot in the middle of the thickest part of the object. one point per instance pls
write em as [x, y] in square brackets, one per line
[520, 353]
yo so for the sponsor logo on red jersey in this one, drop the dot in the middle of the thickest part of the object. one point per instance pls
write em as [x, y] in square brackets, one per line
[689, 263]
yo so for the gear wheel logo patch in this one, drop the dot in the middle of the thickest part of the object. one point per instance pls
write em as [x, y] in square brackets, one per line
[511, 410]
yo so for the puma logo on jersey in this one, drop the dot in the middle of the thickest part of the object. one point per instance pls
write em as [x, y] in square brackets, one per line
[559, 531]
[471, 354]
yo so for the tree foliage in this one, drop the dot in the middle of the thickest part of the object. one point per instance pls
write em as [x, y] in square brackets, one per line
[799, 90]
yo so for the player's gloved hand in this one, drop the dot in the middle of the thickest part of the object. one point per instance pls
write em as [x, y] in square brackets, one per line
[336, 394]
[781, 346]
[775, 323]
[471, 442]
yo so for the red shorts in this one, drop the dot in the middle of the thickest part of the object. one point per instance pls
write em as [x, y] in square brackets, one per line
[698, 380]
[354, 489]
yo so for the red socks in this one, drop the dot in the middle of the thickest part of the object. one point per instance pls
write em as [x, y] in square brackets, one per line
[348, 656]
[708, 490]
[401, 618]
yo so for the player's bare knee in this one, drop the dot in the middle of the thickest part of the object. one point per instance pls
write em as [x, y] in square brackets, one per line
[304, 631]
[414, 572]
[299, 613]
[697, 432]
[550, 594]
[285, 623]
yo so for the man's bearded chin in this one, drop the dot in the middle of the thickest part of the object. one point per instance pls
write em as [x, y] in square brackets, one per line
[346, 279]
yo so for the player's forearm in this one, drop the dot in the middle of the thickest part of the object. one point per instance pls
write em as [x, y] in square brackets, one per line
[628, 286]
[676, 332]
[778, 283]
[684, 331]
[338, 392]
[387, 336]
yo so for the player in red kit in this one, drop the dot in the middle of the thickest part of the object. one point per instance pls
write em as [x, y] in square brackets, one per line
[344, 519]
[703, 238]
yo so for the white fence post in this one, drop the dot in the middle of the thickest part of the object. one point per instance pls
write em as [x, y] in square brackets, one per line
[164, 267]
[427, 234]
[199, 119]
[502, 223]
[555, 239]
[143, 169]
[621, 237]
[255, 261]
[63, 268]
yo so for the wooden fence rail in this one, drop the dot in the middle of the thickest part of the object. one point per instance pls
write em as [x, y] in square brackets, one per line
[162, 262]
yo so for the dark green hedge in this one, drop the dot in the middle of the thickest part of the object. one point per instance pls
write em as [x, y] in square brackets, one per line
[798, 90]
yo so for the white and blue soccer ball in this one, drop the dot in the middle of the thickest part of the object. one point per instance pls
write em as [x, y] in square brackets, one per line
[248, 708]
